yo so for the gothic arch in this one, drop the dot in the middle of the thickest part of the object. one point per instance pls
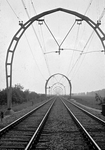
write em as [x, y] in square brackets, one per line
[64, 89]
[55, 75]
[20, 32]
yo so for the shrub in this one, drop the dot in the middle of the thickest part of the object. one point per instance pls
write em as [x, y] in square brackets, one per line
[20, 96]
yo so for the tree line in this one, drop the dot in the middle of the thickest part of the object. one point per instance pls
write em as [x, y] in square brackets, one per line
[19, 95]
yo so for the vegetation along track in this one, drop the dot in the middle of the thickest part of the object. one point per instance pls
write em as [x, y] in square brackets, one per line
[61, 132]
[18, 134]
[93, 125]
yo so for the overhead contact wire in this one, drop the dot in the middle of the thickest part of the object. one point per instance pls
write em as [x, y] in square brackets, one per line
[34, 31]
[43, 40]
[68, 32]
[88, 6]
[67, 35]
[34, 57]
[83, 57]
[32, 24]
[52, 34]
[87, 42]
[45, 51]
[73, 51]
[26, 39]
[82, 51]
[13, 10]
[33, 7]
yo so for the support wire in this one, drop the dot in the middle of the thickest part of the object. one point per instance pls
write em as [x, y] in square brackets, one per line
[35, 33]
[81, 52]
[13, 10]
[34, 57]
[52, 34]
[68, 33]
[33, 7]
[26, 39]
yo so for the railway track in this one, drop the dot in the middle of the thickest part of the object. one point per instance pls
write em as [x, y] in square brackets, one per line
[52, 127]
[17, 135]
[63, 131]
[93, 125]
[60, 131]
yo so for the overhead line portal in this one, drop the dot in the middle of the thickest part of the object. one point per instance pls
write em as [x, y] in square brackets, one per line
[16, 38]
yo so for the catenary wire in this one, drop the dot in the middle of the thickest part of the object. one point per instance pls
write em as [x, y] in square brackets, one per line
[13, 10]
[68, 33]
[78, 32]
[35, 34]
[33, 7]
[34, 57]
[89, 52]
[26, 39]
[82, 52]
[82, 59]
[88, 7]
[76, 40]
[32, 25]
[45, 50]
[73, 51]
[66, 36]
[51, 33]
[42, 39]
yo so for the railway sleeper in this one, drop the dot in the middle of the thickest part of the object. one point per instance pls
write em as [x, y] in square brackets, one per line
[10, 142]
[17, 136]
[15, 140]
[42, 146]
[12, 147]
[16, 146]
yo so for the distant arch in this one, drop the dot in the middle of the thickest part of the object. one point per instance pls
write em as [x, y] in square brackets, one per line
[58, 87]
[61, 75]
[64, 89]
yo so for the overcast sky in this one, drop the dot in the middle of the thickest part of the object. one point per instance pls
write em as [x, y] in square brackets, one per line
[31, 66]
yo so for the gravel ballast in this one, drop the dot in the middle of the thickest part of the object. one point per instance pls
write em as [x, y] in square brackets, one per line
[60, 131]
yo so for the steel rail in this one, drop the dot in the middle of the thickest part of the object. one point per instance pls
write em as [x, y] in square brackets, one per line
[88, 113]
[88, 136]
[35, 136]
[17, 121]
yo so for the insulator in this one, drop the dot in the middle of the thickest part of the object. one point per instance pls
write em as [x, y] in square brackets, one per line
[99, 22]
[40, 22]
[20, 23]
[79, 21]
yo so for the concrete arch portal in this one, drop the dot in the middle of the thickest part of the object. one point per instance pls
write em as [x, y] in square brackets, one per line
[58, 82]
[20, 32]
